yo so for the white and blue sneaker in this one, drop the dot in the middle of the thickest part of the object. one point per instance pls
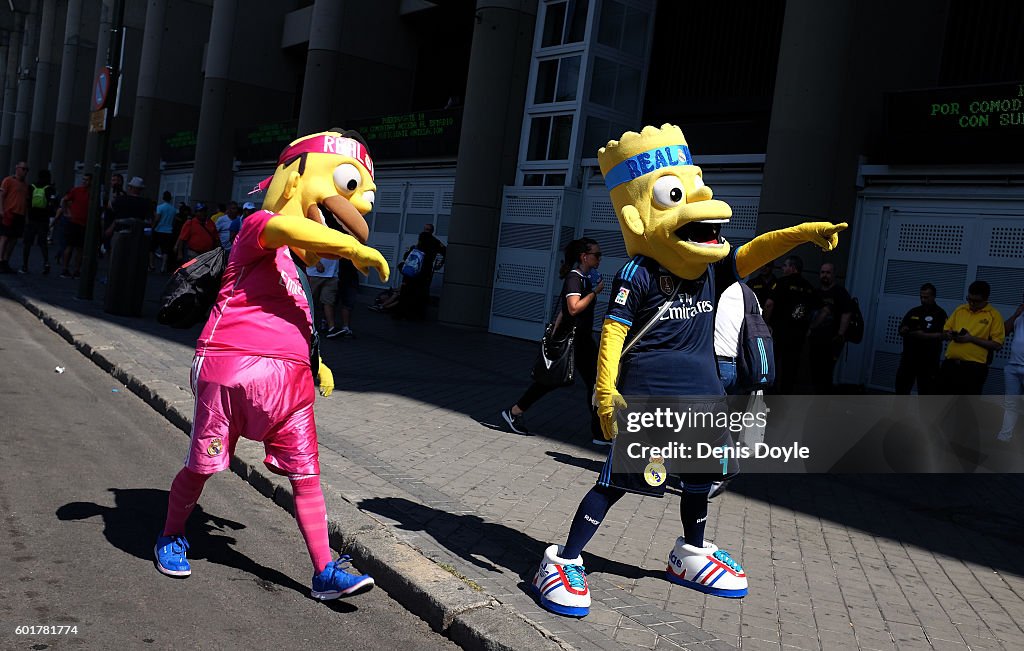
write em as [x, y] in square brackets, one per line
[334, 581]
[706, 569]
[561, 584]
[170, 556]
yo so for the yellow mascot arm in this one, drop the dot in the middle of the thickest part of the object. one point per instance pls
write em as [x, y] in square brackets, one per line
[326, 378]
[310, 237]
[772, 245]
[613, 336]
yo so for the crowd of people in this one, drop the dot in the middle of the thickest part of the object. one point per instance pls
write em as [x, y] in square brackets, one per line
[44, 219]
[942, 354]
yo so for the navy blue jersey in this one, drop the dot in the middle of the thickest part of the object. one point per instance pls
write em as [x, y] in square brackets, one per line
[677, 355]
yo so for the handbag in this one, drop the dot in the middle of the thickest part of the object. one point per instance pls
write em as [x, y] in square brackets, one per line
[555, 365]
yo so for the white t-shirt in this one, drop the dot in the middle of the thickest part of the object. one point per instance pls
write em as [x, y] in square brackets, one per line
[330, 269]
[728, 320]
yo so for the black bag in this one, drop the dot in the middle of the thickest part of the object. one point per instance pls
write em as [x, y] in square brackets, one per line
[555, 363]
[192, 290]
[855, 329]
[755, 355]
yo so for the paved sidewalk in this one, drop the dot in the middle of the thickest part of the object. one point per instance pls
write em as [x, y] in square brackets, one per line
[412, 438]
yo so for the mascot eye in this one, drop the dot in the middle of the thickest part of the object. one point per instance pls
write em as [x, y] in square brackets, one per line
[668, 190]
[347, 177]
[369, 196]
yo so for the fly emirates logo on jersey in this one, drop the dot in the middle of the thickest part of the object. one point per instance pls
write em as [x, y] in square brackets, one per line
[290, 285]
[687, 308]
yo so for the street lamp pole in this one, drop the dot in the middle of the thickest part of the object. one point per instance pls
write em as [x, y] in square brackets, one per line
[92, 229]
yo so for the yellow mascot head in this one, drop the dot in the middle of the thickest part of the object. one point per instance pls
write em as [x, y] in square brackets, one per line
[324, 176]
[665, 211]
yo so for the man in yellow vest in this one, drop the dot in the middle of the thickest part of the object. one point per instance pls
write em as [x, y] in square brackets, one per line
[974, 332]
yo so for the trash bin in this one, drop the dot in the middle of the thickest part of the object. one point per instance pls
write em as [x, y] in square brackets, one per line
[129, 267]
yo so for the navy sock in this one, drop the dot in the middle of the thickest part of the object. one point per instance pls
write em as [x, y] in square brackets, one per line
[588, 518]
[693, 511]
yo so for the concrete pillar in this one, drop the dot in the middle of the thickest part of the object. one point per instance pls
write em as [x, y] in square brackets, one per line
[212, 176]
[144, 157]
[809, 173]
[321, 67]
[40, 141]
[499, 65]
[72, 109]
[102, 44]
[26, 84]
[10, 93]
[4, 50]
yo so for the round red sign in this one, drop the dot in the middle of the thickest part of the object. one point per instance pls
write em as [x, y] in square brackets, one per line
[100, 88]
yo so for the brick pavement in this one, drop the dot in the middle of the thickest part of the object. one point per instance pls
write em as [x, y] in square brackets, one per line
[411, 437]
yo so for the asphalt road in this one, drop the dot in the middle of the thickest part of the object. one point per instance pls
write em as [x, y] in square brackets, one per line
[85, 467]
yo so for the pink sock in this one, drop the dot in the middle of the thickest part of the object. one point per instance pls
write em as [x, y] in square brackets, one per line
[311, 514]
[185, 491]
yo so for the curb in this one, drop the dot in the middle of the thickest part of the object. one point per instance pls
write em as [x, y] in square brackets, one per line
[452, 607]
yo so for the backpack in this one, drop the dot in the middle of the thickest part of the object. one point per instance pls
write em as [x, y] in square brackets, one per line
[39, 197]
[855, 328]
[755, 355]
[413, 263]
[192, 290]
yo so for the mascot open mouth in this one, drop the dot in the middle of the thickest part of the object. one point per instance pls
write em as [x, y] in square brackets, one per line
[338, 213]
[702, 232]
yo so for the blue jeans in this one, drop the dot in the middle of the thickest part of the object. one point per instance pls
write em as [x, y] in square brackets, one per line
[1014, 377]
[727, 371]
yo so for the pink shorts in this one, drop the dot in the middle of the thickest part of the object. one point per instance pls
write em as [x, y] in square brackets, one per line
[260, 398]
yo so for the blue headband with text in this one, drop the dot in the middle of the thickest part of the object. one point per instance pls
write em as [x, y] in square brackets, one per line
[647, 162]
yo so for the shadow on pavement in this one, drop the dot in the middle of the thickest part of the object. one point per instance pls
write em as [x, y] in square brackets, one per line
[486, 545]
[132, 524]
[478, 374]
[961, 516]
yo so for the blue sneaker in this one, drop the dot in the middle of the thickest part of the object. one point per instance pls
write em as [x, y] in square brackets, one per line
[170, 556]
[334, 581]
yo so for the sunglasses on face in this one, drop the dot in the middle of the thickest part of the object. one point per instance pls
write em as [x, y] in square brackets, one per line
[596, 254]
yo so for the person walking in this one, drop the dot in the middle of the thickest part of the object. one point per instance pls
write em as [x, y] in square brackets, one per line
[1013, 374]
[13, 208]
[163, 233]
[75, 207]
[577, 300]
[42, 201]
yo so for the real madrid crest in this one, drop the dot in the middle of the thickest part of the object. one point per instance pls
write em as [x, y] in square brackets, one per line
[655, 473]
[215, 447]
[665, 285]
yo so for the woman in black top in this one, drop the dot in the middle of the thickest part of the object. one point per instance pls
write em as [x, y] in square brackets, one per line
[582, 283]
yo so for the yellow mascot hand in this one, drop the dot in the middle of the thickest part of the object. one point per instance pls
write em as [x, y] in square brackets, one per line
[774, 244]
[606, 411]
[326, 378]
[365, 258]
[304, 235]
[823, 234]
